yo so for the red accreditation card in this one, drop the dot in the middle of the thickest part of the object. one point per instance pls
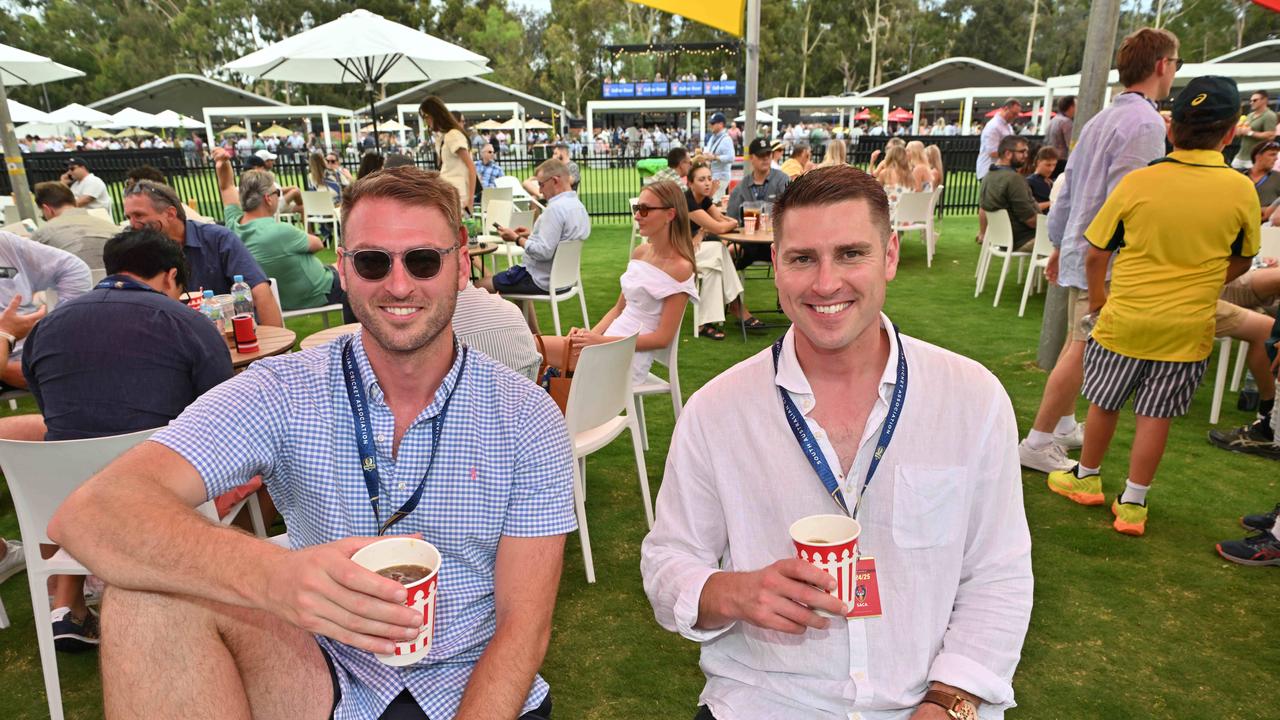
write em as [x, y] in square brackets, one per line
[866, 590]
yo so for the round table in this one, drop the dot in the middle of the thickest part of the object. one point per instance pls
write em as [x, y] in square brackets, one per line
[740, 237]
[328, 335]
[477, 250]
[272, 340]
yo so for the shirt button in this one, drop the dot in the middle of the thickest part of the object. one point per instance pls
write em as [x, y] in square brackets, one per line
[381, 438]
[403, 486]
[859, 675]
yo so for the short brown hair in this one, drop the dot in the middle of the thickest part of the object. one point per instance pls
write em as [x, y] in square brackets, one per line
[54, 194]
[1199, 136]
[830, 185]
[1140, 51]
[409, 185]
[1046, 153]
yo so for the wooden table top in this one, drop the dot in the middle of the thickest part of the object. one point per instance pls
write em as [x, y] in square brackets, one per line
[272, 340]
[328, 335]
[481, 249]
[741, 237]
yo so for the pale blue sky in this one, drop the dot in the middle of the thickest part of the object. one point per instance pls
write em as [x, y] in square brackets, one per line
[540, 5]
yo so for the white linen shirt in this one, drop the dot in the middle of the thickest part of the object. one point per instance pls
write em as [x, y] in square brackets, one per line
[943, 517]
[992, 134]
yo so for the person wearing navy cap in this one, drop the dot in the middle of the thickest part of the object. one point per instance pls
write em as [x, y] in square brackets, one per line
[718, 149]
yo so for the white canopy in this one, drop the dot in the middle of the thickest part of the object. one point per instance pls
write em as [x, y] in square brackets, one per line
[388, 126]
[129, 117]
[174, 119]
[361, 47]
[19, 67]
[77, 114]
[761, 117]
[25, 113]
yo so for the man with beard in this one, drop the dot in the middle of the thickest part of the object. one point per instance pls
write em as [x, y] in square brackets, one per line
[248, 628]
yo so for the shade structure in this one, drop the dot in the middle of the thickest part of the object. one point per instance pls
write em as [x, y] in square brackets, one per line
[863, 114]
[134, 132]
[77, 114]
[363, 48]
[131, 118]
[97, 133]
[488, 125]
[26, 114]
[761, 117]
[19, 67]
[233, 130]
[899, 115]
[726, 15]
[536, 124]
[173, 119]
[388, 126]
[275, 131]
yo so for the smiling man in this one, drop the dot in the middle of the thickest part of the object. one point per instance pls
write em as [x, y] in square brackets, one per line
[930, 473]
[248, 629]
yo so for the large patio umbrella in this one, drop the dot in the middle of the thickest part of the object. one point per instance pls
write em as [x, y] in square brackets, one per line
[97, 133]
[129, 117]
[19, 67]
[134, 133]
[536, 124]
[77, 114]
[761, 117]
[488, 125]
[172, 119]
[20, 113]
[361, 47]
[863, 114]
[276, 131]
[389, 126]
[233, 130]
[899, 115]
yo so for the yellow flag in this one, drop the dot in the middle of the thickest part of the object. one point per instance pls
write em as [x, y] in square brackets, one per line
[723, 15]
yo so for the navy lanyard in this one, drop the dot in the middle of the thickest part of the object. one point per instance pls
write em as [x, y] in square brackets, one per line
[121, 282]
[810, 447]
[364, 437]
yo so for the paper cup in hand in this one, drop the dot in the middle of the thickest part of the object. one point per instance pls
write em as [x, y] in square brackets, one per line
[400, 551]
[830, 542]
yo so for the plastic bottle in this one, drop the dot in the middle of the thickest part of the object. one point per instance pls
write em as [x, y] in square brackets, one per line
[212, 310]
[1248, 399]
[242, 296]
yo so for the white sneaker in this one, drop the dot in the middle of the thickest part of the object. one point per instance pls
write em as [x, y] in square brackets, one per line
[13, 561]
[1072, 440]
[1047, 459]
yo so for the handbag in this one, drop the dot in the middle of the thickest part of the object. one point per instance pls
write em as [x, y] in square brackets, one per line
[555, 374]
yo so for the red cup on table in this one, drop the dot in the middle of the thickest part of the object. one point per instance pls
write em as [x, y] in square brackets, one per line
[400, 552]
[245, 335]
[830, 543]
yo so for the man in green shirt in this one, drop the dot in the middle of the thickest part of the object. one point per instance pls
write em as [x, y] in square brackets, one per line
[284, 251]
[1008, 190]
[1258, 126]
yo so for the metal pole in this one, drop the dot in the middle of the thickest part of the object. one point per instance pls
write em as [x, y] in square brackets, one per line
[752, 85]
[13, 161]
[1099, 46]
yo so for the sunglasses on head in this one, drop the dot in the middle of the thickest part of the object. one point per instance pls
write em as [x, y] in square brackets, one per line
[644, 210]
[423, 263]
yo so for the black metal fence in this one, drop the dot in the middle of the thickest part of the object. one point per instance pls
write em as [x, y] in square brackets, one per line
[608, 181]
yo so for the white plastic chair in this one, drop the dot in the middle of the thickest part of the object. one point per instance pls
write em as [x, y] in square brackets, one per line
[1270, 242]
[102, 213]
[566, 273]
[915, 211]
[500, 212]
[318, 209]
[519, 218]
[11, 214]
[518, 193]
[1040, 253]
[323, 310]
[997, 243]
[40, 476]
[600, 407]
[654, 385]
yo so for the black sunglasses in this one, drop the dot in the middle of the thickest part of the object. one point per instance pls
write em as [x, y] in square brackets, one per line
[422, 263]
[1177, 63]
[643, 210]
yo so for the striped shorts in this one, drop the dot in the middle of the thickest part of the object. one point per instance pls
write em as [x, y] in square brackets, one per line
[1160, 389]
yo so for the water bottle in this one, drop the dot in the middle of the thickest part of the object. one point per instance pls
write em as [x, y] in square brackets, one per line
[1248, 400]
[241, 296]
[212, 310]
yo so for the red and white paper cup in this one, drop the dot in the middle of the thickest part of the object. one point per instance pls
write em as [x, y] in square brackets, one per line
[830, 543]
[245, 334]
[422, 594]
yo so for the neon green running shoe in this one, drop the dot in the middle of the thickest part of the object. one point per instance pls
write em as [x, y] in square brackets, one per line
[1086, 490]
[1131, 518]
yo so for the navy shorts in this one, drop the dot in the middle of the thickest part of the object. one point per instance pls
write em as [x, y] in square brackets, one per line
[516, 280]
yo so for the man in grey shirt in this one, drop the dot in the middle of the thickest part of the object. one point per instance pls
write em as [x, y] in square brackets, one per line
[70, 228]
[496, 328]
[1058, 133]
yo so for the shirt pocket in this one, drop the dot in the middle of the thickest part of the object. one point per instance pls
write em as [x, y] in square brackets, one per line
[927, 508]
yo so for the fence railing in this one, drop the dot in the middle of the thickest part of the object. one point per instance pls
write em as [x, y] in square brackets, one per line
[608, 181]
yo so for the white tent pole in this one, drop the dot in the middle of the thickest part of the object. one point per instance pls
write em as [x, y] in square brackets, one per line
[400, 119]
[328, 139]
[248, 131]
[591, 133]
[208, 130]
[752, 84]
[966, 116]
[915, 117]
[13, 158]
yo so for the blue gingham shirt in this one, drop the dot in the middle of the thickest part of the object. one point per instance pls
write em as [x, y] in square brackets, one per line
[1125, 136]
[504, 469]
[489, 174]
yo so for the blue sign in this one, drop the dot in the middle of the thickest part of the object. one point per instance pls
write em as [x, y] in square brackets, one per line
[619, 90]
[686, 89]
[722, 87]
[654, 89]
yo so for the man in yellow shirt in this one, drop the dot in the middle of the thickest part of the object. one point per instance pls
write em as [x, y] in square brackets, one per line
[798, 164]
[1178, 229]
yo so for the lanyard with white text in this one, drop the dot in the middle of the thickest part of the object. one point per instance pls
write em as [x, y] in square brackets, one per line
[813, 453]
[364, 436]
[121, 282]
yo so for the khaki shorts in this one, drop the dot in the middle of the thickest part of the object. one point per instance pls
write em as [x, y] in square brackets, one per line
[1240, 292]
[1227, 318]
[1077, 307]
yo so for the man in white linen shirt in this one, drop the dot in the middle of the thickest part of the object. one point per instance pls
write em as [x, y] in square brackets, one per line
[942, 514]
[995, 130]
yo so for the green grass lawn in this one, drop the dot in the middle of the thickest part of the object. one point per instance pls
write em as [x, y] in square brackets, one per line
[1156, 627]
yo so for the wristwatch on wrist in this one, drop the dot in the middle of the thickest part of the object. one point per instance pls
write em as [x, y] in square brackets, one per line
[957, 707]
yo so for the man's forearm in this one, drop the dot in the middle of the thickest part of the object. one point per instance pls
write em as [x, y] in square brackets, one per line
[503, 675]
[1095, 271]
[11, 374]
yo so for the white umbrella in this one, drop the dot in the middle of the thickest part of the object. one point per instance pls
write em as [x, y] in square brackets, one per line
[536, 124]
[488, 125]
[361, 47]
[173, 119]
[77, 114]
[761, 117]
[389, 126]
[129, 117]
[19, 67]
[20, 113]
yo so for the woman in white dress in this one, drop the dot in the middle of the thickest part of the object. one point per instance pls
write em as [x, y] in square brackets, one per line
[452, 150]
[656, 286]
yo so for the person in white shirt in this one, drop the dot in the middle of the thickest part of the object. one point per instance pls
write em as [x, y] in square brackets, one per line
[27, 268]
[999, 126]
[88, 188]
[930, 472]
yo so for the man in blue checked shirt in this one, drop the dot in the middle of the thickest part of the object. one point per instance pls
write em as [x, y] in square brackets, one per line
[207, 621]
[488, 169]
